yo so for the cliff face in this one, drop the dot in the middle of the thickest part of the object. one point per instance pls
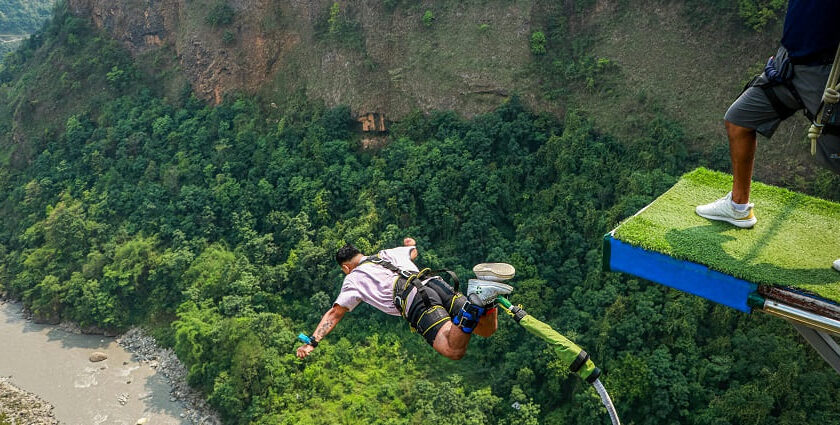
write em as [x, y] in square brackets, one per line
[140, 25]
[465, 56]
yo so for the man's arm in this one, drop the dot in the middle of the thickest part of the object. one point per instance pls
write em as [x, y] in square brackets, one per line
[328, 322]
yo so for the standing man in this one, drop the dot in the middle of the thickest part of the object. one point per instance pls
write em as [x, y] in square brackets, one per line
[392, 283]
[792, 80]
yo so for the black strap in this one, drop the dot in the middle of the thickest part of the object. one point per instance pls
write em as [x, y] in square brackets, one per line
[518, 313]
[783, 110]
[593, 376]
[415, 282]
[580, 360]
[455, 282]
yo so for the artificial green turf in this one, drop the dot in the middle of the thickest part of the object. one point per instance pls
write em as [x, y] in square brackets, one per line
[794, 242]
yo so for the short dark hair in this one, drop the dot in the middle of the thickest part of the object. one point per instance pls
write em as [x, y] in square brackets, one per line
[346, 253]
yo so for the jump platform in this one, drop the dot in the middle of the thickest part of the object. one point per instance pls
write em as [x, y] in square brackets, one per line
[781, 266]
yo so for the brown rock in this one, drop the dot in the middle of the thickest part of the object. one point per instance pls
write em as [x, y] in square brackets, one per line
[98, 356]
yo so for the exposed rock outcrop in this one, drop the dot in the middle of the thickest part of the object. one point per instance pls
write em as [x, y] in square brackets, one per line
[373, 122]
[379, 59]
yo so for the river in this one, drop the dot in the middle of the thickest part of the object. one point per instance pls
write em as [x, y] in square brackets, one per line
[54, 364]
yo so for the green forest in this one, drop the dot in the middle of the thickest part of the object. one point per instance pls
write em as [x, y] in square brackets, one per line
[23, 17]
[216, 227]
[19, 18]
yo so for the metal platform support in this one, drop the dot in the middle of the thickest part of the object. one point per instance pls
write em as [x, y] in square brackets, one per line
[822, 342]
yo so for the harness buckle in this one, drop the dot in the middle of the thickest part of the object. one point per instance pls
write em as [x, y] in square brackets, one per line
[406, 274]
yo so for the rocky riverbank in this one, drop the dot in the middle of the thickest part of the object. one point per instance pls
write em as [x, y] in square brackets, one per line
[145, 350]
[20, 407]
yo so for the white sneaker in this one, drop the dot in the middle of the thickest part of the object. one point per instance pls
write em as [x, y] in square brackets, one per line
[486, 291]
[494, 272]
[837, 264]
[722, 210]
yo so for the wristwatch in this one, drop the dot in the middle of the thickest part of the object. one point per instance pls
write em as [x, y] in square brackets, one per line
[307, 340]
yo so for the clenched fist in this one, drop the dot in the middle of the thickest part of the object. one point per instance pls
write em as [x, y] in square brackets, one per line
[304, 350]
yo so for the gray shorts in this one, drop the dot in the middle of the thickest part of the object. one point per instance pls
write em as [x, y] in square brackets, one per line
[753, 109]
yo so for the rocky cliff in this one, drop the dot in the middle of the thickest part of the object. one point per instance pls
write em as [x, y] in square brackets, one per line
[376, 56]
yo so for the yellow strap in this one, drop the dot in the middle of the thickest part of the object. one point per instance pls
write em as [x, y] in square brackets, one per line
[427, 311]
[452, 303]
[435, 324]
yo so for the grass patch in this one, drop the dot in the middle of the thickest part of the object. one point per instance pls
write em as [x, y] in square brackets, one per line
[793, 244]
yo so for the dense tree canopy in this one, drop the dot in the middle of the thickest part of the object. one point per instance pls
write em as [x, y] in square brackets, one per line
[216, 226]
[23, 16]
[18, 19]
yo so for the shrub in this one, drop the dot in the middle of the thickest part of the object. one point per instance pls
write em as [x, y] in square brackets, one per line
[334, 20]
[538, 43]
[428, 18]
[220, 14]
[758, 13]
[228, 37]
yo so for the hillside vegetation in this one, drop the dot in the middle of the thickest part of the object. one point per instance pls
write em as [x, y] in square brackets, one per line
[126, 202]
[18, 19]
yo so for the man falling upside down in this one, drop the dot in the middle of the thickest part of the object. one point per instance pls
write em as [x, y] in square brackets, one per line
[393, 284]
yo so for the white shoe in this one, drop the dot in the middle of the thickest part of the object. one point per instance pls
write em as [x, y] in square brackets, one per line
[494, 272]
[722, 210]
[486, 291]
[836, 264]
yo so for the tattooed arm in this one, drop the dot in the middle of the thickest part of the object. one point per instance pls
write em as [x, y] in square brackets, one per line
[328, 322]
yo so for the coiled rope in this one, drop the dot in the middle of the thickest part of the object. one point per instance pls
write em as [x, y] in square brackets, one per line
[830, 96]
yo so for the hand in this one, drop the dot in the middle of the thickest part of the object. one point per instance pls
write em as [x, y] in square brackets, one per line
[409, 242]
[304, 350]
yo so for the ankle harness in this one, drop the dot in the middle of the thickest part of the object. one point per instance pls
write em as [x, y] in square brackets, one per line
[467, 318]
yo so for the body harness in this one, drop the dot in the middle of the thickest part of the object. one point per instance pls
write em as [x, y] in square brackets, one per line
[466, 317]
[406, 281]
[779, 72]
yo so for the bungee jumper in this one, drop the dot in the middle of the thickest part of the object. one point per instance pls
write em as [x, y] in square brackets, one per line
[446, 318]
[390, 282]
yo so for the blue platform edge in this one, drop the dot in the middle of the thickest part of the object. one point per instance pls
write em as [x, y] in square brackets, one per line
[685, 276]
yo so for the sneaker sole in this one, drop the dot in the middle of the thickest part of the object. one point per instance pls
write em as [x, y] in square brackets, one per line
[744, 224]
[502, 271]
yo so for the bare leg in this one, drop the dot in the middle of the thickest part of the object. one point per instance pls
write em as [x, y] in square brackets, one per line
[742, 146]
[451, 341]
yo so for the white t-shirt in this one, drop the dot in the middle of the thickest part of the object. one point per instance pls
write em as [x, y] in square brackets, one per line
[374, 284]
